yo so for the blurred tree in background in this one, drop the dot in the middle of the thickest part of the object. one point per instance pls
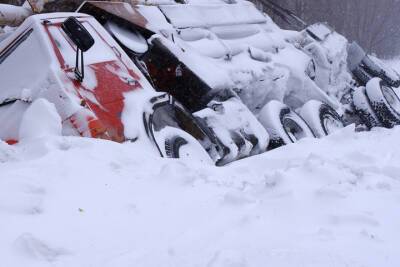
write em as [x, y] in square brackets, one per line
[375, 24]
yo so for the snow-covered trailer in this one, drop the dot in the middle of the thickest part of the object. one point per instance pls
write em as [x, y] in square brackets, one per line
[218, 57]
[244, 84]
[372, 97]
[204, 52]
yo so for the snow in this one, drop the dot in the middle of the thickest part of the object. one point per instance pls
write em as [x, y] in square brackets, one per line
[355, 55]
[132, 40]
[246, 52]
[16, 74]
[239, 31]
[136, 103]
[191, 152]
[155, 19]
[270, 118]
[11, 15]
[68, 201]
[374, 92]
[40, 120]
[311, 114]
[320, 30]
[394, 63]
[100, 52]
[47, 78]
[36, 5]
[229, 118]
[204, 15]
[11, 117]
[214, 76]
[156, 2]
[390, 72]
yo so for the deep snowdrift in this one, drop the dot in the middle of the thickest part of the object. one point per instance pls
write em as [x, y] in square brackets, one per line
[83, 202]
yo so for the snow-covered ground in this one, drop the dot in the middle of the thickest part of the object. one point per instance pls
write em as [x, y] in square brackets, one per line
[68, 201]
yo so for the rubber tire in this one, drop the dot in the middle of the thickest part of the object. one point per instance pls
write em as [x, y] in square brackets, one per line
[364, 110]
[314, 112]
[377, 68]
[383, 110]
[174, 146]
[272, 117]
[212, 150]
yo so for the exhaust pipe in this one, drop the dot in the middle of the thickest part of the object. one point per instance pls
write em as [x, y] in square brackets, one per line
[13, 15]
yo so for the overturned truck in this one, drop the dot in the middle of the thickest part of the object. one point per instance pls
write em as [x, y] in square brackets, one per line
[236, 84]
[69, 60]
[223, 59]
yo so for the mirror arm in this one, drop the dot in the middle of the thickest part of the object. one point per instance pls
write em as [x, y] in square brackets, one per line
[79, 73]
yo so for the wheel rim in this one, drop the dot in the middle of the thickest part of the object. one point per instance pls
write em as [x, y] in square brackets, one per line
[166, 117]
[331, 124]
[192, 152]
[293, 129]
[188, 148]
[392, 98]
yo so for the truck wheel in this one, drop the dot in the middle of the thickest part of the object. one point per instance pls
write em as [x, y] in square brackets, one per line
[185, 147]
[384, 101]
[364, 110]
[172, 146]
[322, 118]
[176, 133]
[376, 68]
[283, 124]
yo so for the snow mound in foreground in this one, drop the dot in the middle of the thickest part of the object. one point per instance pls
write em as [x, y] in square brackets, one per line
[41, 119]
[84, 202]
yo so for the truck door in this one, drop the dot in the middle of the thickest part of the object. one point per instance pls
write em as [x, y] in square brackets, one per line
[106, 80]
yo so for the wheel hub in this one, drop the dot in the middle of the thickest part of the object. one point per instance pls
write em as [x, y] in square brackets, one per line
[392, 98]
[331, 124]
[293, 130]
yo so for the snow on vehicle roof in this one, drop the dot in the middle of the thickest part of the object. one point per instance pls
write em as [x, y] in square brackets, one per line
[187, 16]
[29, 69]
[133, 40]
[231, 44]
[247, 50]
[61, 15]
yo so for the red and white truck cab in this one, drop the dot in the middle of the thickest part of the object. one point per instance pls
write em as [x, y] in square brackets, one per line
[113, 100]
[39, 60]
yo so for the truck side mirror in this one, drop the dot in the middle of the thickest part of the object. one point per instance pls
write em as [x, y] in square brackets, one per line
[82, 39]
[78, 34]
